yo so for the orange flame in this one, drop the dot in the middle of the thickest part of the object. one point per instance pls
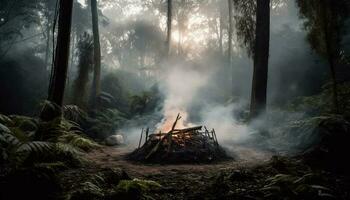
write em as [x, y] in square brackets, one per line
[169, 118]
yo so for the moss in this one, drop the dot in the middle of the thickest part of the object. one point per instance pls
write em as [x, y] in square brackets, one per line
[87, 191]
[134, 189]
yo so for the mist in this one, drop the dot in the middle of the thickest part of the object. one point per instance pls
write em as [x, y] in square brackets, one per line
[199, 87]
[197, 81]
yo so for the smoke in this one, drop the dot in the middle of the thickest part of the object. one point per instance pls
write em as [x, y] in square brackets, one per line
[180, 85]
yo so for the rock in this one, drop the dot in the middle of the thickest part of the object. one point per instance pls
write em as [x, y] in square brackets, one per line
[114, 140]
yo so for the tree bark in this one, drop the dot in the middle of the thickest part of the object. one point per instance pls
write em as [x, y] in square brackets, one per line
[48, 38]
[331, 50]
[261, 59]
[56, 92]
[230, 30]
[221, 32]
[169, 24]
[96, 84]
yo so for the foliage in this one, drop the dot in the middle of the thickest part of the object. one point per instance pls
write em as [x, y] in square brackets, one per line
[136, 188]
[245, 17]
[64, 141]
[144, 103]
[294, 187]
[74, 113]
[322, 102]
[105, 122]
[78, 141]
[87, 191]
[17, 143]
[324, 20]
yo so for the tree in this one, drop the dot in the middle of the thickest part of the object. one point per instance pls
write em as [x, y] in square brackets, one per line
[96, 84]
[85, 50]
[221, 29]
[169, 24]
[16, 16]
[253, 30]
[60, 66]
[230, 32]
[261, 59]
[324, 22]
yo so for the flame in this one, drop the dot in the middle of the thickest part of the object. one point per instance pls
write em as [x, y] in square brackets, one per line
[169, 118]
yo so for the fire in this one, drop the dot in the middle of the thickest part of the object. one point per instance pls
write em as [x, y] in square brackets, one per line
[169, 117]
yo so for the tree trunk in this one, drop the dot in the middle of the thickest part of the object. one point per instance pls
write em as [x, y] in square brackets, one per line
[221, 32]
[48, 38]
[261, 59]
[230, 30]
[169, 24]
[62, 52]
[71, 62]
[229, 52]
[331, 50]
[96, 88]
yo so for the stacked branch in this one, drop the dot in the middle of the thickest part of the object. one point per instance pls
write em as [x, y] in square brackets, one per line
[179, 145]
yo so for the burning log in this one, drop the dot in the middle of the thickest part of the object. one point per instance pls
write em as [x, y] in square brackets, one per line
[180, 145]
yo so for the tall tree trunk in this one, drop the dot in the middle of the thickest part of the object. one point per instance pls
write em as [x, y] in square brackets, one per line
[96, 88]
[62, 52]
[48, 38]
[169, 24]
[71, 62]
[221, 32]
[229, 52]
[328, 28]
[230, 31]
[261, 59]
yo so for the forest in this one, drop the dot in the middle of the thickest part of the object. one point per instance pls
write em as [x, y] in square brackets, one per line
[174, 99]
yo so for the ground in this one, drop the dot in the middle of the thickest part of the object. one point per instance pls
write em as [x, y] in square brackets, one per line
[261, 177]
[114, 157]
[180, 181]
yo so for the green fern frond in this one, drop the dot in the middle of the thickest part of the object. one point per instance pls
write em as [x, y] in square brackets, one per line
[78, 141]
[64, 148]
[9, 139]
[34, 147]
[4, 129]
[5, 120]
[74, 113]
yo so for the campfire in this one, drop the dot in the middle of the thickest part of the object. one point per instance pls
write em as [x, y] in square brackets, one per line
[192, 144]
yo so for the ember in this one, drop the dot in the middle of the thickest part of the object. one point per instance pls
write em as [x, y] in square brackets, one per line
[179, 145]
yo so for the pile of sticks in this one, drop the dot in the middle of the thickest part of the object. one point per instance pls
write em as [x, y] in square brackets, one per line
[179, 145]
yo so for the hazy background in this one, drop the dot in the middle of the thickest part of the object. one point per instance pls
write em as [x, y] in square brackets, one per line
[196, 81]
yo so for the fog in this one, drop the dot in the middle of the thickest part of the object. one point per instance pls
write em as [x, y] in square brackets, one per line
[198, 89]
[197, 82]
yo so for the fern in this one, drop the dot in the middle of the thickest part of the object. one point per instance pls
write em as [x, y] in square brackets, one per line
[74, 113]
[4, 119]
[78, 141]
[293, 187]
[57, 127]
[136, 188]
[16, 148]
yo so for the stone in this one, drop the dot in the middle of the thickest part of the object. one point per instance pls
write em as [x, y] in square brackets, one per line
[114, 140]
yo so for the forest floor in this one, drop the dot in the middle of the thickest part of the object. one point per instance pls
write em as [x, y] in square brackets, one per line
[179, 181]
[256, 178]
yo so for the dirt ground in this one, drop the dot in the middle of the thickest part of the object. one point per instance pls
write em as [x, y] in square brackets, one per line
[253, 178]
[114, 157]
[181, 180]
